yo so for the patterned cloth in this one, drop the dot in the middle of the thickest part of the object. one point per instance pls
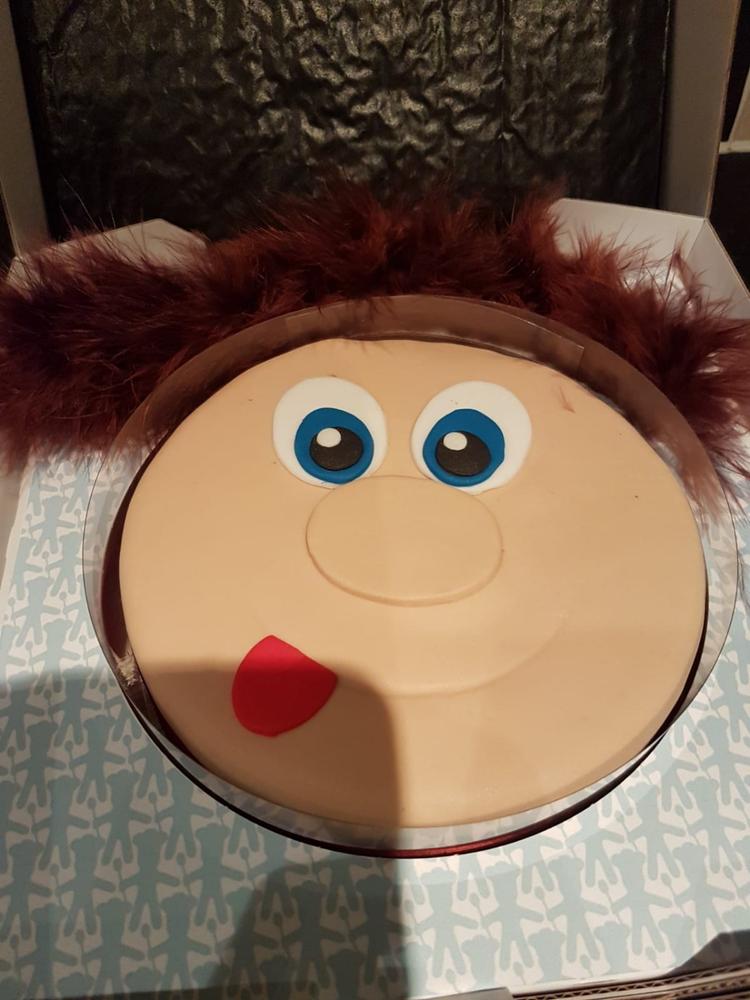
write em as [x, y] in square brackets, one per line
[118, 875]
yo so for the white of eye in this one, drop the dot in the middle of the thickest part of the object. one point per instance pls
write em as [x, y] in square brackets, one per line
[313, 393]
[495, 402]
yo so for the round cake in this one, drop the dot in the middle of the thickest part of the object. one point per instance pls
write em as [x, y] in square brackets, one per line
[409, 583]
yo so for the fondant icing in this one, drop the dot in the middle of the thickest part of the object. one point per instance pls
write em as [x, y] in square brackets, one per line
[490, 647]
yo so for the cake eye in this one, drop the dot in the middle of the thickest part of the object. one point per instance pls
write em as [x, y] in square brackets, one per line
[333, 445]
[474, 436]
[328, 431]
[464, 448]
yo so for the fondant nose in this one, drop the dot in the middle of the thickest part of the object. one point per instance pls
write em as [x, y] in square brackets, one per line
[400, 540]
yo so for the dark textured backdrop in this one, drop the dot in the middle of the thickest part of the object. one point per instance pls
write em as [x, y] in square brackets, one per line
[195, 110]
[6, 246]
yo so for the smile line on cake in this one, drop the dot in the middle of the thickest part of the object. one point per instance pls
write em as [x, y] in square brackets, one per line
[278, 688]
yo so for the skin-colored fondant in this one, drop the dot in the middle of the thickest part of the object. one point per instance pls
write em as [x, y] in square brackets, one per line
[493, 649]
[403, 540]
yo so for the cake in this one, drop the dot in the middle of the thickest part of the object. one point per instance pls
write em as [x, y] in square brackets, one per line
[410, 583]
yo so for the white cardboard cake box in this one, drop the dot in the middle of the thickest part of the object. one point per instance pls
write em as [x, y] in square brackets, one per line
[108, 875]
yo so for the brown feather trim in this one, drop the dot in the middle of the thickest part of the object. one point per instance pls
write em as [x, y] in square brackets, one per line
[91, 332]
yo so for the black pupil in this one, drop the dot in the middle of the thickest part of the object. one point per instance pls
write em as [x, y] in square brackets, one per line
[468, 456]
[336, 448]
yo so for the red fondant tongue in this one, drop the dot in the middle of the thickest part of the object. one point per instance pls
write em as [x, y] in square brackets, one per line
[277, 688]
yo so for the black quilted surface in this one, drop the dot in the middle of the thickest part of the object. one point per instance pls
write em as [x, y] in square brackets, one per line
[6, 247]
[195, 110]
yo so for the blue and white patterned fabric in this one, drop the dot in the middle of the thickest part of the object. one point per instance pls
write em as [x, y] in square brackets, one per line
[117, 875]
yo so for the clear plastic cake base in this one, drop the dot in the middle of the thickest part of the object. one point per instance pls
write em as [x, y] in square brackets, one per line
[440, 319]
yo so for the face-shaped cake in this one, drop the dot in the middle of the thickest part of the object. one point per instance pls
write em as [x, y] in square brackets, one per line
[412, 583]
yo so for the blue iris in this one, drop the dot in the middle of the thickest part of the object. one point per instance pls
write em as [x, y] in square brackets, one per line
[469, 458]
[338, 458]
